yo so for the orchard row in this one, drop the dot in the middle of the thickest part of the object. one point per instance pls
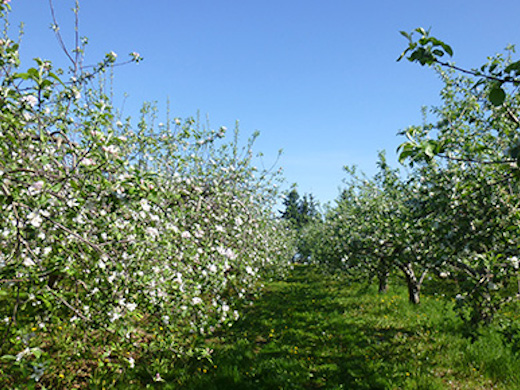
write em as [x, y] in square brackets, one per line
[120, 243]
[455, 211]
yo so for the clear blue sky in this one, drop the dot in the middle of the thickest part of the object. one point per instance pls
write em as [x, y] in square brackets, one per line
[318, 79]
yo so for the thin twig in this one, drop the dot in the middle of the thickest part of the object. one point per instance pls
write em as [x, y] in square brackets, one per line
[477, 74]
[13, 280]
[78, 313]
[58, 35]
[470, 160]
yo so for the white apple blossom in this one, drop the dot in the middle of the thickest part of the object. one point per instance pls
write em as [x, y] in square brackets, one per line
[153, 232]
[31, 100]
[26, 351]
[114, 316]
[35, 219]
[36, 187]
[88, 162]
[111, 149]
[172, 227]
[145, 205]
[72, 202]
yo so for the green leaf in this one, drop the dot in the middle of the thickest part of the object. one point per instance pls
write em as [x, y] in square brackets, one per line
[514, 151]
[497, 96]
[447, 49]
[429, 148]
[407, 149]
[404, 155]
[45, 84]
[405, 34]
[513, 67]
[56, 78]
[8, 357]
[438, 52]
[23, 76]
[33, 72]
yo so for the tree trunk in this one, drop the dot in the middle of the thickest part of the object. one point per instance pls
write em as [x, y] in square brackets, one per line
[414, 285]
[414, 292]
[383, 282]
[382, 275]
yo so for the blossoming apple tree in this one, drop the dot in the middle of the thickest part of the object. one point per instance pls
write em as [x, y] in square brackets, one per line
[143, 238]
[471, 150]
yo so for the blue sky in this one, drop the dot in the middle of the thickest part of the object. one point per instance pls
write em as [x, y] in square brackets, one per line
[318, 79]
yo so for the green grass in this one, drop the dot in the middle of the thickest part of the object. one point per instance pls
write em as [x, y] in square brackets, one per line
[313, 331]
[320, 332]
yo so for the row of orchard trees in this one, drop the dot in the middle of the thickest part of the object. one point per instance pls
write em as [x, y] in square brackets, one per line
[456, 211]
[116, 229]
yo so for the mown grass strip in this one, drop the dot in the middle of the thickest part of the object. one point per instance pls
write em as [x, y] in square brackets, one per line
[313, 331]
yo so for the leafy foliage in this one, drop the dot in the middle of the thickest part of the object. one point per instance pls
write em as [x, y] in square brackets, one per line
[456, 213]
[137, 242]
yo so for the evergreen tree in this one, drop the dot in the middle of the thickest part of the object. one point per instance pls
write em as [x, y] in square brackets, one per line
[292, 207]
[299, 211]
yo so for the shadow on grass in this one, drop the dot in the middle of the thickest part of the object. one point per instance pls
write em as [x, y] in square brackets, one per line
[311, 332]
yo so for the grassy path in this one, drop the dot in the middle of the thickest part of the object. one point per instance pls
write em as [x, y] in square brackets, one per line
[317, 332]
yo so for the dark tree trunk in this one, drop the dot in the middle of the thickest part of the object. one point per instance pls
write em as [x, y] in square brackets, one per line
[382, 275]
[383, 282]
